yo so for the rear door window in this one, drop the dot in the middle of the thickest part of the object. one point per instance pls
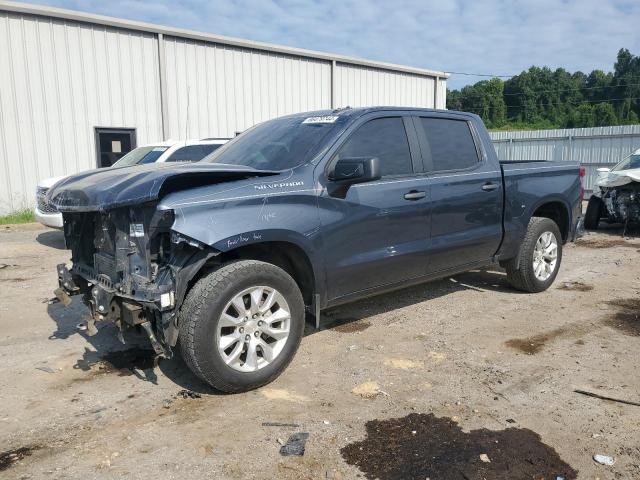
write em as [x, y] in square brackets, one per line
[449, 143]
[384, 138]
[192, 153]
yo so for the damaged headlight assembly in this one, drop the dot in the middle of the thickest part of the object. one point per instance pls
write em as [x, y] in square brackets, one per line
[130, 268]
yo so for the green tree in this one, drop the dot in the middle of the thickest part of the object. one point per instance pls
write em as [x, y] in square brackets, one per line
[544, 98]
[583, 116]
[604, 115]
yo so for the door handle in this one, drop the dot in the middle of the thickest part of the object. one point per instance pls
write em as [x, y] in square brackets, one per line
[488, 187]
[414, 195]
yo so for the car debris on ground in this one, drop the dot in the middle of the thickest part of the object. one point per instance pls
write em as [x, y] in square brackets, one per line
[295, 445]
[606, 397]
[604, 459]
[279, 424]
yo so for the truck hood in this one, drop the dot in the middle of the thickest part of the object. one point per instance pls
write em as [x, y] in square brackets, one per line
[104, 189]
[619, 178]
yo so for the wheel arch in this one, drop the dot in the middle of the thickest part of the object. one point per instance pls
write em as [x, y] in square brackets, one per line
[286, 255]
[557, 210]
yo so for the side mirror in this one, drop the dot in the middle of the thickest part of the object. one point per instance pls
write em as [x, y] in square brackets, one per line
[603, 170]
[356, 170]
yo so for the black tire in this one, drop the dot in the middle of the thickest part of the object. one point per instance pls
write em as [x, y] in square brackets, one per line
[201, 311]
[520, 272]
[593, 213]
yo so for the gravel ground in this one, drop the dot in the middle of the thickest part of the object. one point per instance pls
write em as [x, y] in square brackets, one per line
[460, 378]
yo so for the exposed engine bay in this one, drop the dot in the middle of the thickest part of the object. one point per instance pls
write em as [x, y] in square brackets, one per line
[128, 264]
[617, 197]
[622, 203]
[133, 272]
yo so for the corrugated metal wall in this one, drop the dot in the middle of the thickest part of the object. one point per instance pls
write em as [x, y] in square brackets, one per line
[592, 147]
[62, 74]
[359, 86]
[230, 89]
[58, 81]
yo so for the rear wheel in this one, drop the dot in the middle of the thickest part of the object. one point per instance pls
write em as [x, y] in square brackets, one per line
[241, 325]
[537, 264]
[593, 213]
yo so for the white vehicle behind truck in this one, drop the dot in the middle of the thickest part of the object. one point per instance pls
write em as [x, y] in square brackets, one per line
[616, 198]
[169, 151]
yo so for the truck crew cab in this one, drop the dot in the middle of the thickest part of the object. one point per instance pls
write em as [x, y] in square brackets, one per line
[305, 212]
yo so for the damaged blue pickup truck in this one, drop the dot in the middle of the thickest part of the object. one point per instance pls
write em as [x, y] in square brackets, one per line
[299, 214]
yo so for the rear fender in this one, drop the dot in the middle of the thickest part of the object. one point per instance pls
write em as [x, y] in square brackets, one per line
[515, 225]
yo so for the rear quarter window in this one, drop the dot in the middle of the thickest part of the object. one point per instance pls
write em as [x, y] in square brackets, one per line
[450, 144]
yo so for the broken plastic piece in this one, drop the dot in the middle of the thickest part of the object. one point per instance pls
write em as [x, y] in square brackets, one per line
[295, 445]
[157, 346]
[604, 459]
[188, 394]
[279, 424]
[46, 369]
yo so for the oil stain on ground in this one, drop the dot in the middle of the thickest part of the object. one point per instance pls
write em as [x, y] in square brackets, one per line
[604, 243]
[349, 325]
[131, 359]
[11, 457]
[627, 318]
[421, 446]
[576, 286]
[535, 343]
[123, 362]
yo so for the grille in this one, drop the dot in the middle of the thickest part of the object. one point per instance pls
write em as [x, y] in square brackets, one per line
[41, 199]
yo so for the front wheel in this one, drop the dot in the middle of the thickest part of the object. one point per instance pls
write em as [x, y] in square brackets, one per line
[593, 214]
[241, 325]
[537, 264]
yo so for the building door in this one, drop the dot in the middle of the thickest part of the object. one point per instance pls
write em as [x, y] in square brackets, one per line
[112, 144]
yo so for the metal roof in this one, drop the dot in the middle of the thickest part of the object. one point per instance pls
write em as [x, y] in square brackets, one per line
[45, 11]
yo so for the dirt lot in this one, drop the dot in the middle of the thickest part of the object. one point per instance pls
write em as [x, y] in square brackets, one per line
[459, 379]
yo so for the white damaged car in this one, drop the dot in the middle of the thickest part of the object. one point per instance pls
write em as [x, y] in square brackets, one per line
[617, 195]
[169, 151]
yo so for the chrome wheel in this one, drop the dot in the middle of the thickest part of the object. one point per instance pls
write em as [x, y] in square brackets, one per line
[253, 328]
[545, 256]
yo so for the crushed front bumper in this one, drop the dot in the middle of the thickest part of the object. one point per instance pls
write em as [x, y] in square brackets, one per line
[139, 308]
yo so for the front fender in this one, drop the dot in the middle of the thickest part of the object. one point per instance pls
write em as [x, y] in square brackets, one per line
[245, 220]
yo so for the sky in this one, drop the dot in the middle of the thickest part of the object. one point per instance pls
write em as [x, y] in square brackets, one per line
[493, 37]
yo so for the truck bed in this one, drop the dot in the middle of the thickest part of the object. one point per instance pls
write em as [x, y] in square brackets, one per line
[530, 183]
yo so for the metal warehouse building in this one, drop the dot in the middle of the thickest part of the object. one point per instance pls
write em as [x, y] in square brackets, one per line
[73, 85]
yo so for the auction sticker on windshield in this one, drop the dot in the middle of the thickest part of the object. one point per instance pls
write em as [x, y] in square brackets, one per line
[324, 119]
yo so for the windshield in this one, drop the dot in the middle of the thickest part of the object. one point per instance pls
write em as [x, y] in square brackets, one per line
[632, 161]
[278, 144]
[140, 155]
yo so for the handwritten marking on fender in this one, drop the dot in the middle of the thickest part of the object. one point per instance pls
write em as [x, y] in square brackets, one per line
[243, 238]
